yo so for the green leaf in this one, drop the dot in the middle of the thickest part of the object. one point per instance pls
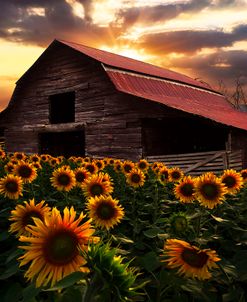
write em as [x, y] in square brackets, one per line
[13, 255]
[150, 261]
[68, 281]
[30, 292]
[10, 271]
[151, 233]
[13, 293]
[4, 236]
[71, 294]
[219, 219]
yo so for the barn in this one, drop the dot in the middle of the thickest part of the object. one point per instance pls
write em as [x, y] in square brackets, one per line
[82, 101]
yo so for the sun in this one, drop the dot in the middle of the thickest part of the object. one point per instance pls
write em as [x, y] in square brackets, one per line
[127, 50]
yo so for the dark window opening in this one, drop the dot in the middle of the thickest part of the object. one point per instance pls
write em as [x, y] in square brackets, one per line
[182, 135]
[62, 108]
[62, 143]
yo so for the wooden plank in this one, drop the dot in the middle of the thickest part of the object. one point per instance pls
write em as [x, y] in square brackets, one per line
[203, 162]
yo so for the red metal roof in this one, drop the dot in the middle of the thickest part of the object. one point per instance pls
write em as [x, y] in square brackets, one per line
[122, 62]
[164, 86]
[178, 96]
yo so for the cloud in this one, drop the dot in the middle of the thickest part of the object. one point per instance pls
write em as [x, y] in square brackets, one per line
[224, 66]
[156, 13]
[191, 41]
[58, 21]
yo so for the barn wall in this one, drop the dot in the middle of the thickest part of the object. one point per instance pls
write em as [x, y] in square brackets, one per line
[59, 70]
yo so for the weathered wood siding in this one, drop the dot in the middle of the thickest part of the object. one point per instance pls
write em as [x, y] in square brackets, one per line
[112, 120]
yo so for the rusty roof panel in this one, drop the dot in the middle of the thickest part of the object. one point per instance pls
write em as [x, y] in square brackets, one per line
[182, 97]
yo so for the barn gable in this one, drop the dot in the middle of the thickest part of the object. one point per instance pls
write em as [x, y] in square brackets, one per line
[84, 101]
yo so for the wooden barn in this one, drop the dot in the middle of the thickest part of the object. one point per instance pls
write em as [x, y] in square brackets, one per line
[77, 100]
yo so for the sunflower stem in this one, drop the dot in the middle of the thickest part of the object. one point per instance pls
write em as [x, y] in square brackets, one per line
[92, 288]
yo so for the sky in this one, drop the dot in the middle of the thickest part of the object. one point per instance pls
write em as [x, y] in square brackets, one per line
[204, 39]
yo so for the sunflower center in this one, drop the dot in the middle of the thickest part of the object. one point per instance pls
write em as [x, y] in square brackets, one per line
[187, 190]
[229, 181]
[28, 218]
[176, 175]
[127, 168]
[61, 247]
[135, 178]
[99, 165]
[11, 186]
[90, 168]
[194, 258]
[25, 171]
[105, 211]
[96, 189]
[209, 191]
[142, 165]
[80, 176]
[63, 179]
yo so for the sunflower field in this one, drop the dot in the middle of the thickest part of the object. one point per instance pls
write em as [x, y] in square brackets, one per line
[88, 230]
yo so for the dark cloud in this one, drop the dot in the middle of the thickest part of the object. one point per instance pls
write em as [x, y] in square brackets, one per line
[228, 3]
[226, 66]
[17, 25]
[190, 41]
[149, 14]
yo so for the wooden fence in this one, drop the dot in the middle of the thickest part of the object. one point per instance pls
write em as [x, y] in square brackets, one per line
[201, 162]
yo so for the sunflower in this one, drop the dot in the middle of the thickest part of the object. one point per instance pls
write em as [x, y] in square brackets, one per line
[127, 166]
[163, 175]
[185, 189]
[55, 246]
[191, 261]
[34, 158]
[23, 215]
[143, 165]
[175, 174]
[91, 168]
[9, 167]
[117, 165]
[135, 178]
[99, 163]
[63, 179]
[53, 161]
[19, 156]
[244, 174]
[45, 157]
[156, 167]
[11, 186]
[37, 165]
[232, 180]
[111, 161]
[26, 171]
[105, 211]
[97, 184]
[81, 174]
[209, 190]
[179, 223]
[2, 154]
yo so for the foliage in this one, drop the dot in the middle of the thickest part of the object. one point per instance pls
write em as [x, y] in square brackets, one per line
[126, 265]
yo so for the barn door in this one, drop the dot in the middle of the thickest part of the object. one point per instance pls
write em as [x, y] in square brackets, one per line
[62, 143]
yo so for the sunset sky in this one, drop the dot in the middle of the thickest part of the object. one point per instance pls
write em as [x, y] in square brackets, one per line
[205, 39]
